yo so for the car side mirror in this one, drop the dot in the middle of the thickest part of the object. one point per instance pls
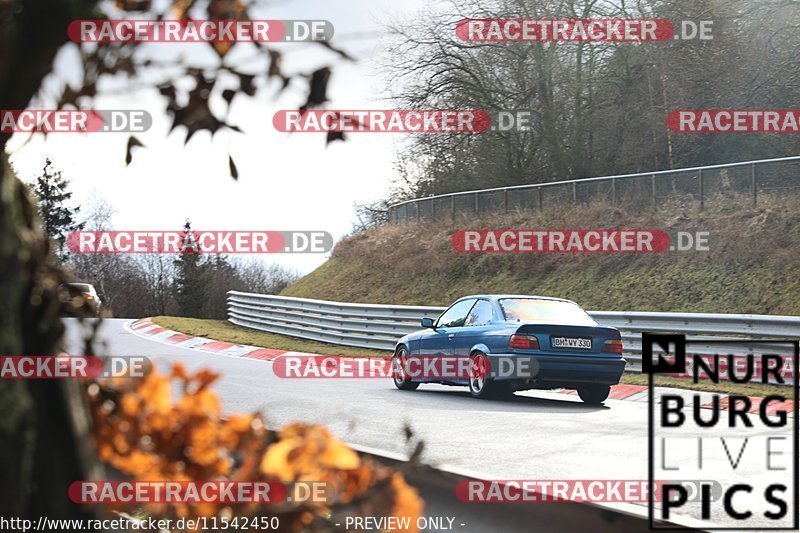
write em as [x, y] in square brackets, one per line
[427, 322]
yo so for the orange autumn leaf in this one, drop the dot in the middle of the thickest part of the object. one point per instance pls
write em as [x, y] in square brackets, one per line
[222, 47]
[203, 402]
[156, 389]
[276, 461]
[179, 371]
[130, 405]
[146, 433]
[204, 378]
[339, 457]
[179, 8]
[407, 502]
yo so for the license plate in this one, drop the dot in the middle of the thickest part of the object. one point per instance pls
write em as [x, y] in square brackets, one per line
[572, 342]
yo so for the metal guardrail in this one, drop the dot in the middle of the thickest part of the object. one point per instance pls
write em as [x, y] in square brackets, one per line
[379, 326]
[358, 325]
[694, 185]
[437, 486]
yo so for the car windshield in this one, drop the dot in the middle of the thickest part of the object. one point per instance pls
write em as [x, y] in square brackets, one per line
[539, 310]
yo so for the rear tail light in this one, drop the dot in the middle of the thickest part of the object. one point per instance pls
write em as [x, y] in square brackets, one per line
[612, 346]
[527, 342]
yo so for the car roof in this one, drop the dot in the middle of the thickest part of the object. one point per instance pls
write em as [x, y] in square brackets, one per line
[502, 296]
[81, 285]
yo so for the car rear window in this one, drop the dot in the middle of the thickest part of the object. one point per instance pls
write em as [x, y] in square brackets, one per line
[83, 287]
[538, 310]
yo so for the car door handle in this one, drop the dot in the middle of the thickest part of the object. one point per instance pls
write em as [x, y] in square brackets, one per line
[451, 336]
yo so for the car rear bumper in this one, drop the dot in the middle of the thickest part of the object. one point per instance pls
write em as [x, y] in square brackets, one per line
[551, 371]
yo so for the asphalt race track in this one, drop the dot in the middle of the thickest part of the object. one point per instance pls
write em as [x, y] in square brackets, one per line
[535, 435]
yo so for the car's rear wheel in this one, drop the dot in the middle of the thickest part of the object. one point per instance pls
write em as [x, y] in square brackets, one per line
[399, 375]
[481, 384]
[594, 394]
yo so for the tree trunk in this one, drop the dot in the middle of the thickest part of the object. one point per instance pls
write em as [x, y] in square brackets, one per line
[44, 430]
[44, 444]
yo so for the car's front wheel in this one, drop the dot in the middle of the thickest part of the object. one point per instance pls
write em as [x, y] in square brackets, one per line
[399, 375]
[594, 394]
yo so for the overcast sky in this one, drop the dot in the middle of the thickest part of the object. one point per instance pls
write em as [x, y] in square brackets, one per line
[286, 182]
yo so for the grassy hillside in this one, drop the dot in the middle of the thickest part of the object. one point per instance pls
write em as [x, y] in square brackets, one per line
[752, 265]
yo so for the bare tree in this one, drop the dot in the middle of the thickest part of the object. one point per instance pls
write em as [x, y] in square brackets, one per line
[264, 278]
[597, 107]
[158, 271]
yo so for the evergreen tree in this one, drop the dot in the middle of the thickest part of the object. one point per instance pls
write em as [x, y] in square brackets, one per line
[52, 193]
[189, 276]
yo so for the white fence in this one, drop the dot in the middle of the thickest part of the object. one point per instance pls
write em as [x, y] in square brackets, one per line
[695, 185]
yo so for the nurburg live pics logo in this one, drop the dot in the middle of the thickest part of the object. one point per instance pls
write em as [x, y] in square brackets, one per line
[749, 445]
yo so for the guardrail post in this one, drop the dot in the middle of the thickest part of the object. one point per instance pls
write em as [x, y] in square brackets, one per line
[753, 183]
[476, 204]
[453, 209]
[417, 203]
[539, 192]
[653, 187]
[433, 208]
[700, 185]
[574, 193]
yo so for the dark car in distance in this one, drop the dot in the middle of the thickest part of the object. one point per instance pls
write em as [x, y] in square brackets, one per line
[560, 345]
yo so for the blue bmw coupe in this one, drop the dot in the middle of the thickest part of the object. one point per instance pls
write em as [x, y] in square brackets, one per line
[510, 343]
